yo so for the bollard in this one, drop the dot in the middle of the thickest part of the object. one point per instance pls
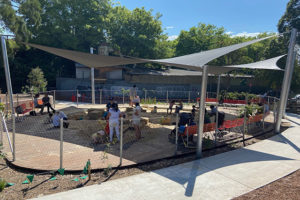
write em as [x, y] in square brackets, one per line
[61, 143]
[121, 141]
[77, 97]
[176, 133]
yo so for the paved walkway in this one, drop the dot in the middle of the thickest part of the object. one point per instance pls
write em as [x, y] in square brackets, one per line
[223, 176]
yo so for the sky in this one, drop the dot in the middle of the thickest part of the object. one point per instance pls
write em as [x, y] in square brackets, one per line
[238, 17]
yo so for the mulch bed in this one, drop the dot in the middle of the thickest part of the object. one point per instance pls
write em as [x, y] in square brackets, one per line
[41, 184]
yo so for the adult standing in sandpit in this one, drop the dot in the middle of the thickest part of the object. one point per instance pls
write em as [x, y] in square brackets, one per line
[132, 94]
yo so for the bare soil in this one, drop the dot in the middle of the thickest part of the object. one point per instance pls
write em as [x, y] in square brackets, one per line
[287, 187]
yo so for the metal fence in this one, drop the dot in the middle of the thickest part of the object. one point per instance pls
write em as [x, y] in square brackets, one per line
[40, 145]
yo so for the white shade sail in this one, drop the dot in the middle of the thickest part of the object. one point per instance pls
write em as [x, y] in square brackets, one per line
[191, 62]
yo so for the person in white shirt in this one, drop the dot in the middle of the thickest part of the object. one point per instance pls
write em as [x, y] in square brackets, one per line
[56, 119]
[113, 115]
[136, 119]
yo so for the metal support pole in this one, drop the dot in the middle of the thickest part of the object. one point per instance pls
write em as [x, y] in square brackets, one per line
[189, 98]
[202, 111]
[217, 107]
[121, 141]
[100, 96]
[17, 99]
[287, 75]
[274, 111]
[10, 92]
[145, 95]
[92, 79]
[77, 97]
[176, 133]
[54, 94]
[61, 143]
[289, 83]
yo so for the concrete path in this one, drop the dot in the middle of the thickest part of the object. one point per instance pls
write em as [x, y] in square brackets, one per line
[223, 176]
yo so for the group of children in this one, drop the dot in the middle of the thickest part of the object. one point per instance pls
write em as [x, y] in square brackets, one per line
[177, 108]
[112, 116]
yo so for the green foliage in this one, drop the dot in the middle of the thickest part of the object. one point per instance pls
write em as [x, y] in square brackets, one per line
[2, 184]
[236, 95]
[149, 101]
[250, 110]
[290, 19]
[36, 81]
[2, 107]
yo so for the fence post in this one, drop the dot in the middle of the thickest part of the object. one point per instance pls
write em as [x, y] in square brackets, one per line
[264, 110]
[6, 104]
[189, 98]
[245, 121]
[123, 97]
[77, 97]
[176, 134]
[54, 102]
[121, 141]
[100, 96]
[61, 143]
[1, 128]
[274, 111]
[167, 96]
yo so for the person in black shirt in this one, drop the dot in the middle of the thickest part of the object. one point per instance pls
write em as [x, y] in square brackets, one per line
[46, 102]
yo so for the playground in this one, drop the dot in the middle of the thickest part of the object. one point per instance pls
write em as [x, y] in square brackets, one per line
[38, 142]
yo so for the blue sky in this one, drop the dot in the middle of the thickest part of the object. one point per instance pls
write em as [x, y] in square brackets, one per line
[246, 17]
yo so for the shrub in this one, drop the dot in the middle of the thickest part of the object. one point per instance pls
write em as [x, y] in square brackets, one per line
[2, 184]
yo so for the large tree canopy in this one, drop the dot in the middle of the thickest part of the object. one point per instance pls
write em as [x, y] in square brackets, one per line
[81, 24]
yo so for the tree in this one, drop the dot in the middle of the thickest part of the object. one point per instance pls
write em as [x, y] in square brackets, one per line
[137, 33]
[201, 38]
[291, 18]
[36, 81]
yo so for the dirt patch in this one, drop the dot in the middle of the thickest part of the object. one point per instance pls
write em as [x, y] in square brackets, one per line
[285, 188]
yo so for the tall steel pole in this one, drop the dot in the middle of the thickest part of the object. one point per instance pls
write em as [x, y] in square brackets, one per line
[289, 83]
[10, 93]
[287, 76]
[92, 79]
[202, 111]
